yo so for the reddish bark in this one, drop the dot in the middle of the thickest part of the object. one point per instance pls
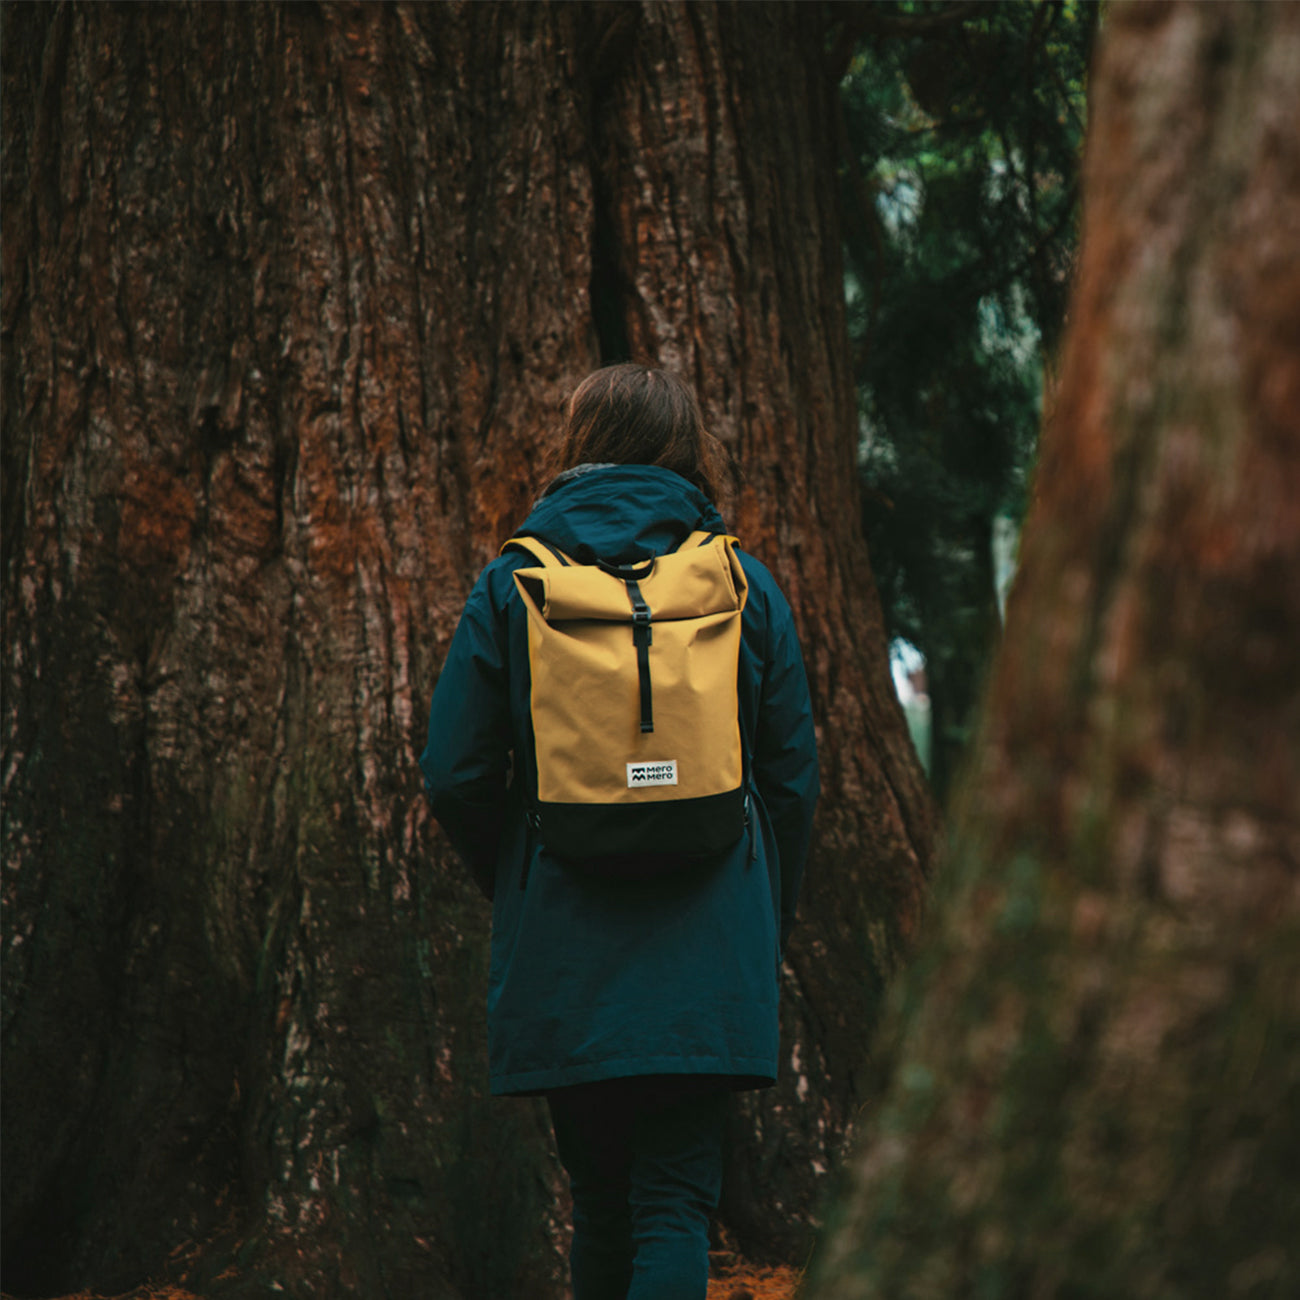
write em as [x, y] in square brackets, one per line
[292, 296]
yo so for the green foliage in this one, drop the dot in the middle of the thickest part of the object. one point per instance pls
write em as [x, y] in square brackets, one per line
[963, 130]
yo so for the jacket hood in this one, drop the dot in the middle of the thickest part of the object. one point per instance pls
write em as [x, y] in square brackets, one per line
[619, 512]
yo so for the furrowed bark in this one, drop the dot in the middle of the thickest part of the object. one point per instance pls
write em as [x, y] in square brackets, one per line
[292, 297]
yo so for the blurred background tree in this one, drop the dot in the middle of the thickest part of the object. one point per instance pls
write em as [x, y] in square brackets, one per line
[1092, 1078]
[963, 125]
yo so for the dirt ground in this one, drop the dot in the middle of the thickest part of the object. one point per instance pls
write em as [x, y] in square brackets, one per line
[738, 1281]
[746, 1282]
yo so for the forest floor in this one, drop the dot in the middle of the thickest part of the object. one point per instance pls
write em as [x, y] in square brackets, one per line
[735, 1281]
[747, 1282]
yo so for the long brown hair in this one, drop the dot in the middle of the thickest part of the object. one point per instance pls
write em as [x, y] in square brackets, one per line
[630, 414]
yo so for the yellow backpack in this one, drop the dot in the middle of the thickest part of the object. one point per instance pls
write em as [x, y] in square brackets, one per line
[635, 716]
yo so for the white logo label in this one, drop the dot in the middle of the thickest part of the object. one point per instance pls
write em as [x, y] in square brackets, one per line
[639, 774]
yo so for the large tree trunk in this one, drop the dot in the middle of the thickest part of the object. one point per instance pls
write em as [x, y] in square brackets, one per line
[1095, 1088]
[292, 296]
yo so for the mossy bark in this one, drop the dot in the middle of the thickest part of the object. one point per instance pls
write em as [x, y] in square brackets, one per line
[292, 296]
[1093, 1083]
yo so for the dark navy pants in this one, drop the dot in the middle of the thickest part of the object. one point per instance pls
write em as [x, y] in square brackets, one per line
[644, 1159]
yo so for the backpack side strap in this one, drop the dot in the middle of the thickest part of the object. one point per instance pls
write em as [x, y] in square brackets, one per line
[541, 551]
[703, 536]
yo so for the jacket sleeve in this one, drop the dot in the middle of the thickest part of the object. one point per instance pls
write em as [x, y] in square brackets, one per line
[785, 755]
[466, 758]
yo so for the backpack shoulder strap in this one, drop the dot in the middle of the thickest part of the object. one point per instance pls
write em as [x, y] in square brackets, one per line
[702, 537]
[541, 551]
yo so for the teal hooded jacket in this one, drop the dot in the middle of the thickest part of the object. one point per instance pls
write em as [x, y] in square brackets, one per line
[594, 978]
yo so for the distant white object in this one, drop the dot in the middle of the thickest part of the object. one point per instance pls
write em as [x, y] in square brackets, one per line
[1006, 549]
[907, 667]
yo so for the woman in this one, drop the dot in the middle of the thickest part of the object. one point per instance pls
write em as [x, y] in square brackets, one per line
[635, 1006]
